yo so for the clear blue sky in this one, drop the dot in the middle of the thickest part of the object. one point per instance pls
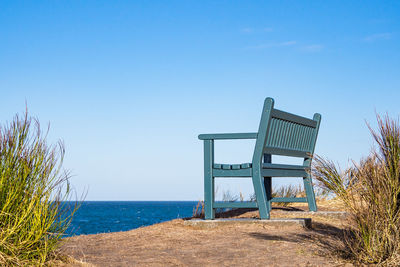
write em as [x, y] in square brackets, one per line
[128, 85]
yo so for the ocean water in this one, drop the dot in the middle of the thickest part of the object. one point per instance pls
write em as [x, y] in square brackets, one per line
[95, 217]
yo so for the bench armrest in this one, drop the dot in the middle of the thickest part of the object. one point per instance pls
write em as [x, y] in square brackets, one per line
[222, 136]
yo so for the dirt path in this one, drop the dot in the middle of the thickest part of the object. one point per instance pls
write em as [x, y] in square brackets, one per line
[175, 244]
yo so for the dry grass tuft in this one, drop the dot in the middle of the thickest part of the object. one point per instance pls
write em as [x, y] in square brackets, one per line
[370, 191]
[287, 191]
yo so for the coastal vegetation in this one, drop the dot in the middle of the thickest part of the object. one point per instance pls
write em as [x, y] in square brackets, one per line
[33, 191]
[370, 191]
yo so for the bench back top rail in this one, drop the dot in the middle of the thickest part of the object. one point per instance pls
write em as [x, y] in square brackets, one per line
[283, 133]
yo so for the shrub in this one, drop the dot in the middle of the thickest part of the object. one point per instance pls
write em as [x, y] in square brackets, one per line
[33, 191]
[283, 191]
[371, 193]
[287, 191]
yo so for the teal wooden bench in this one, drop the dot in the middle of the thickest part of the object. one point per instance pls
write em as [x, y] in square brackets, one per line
[279, 133]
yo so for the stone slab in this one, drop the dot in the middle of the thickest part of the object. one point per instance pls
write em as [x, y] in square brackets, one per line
[332, 214]
[301, 222]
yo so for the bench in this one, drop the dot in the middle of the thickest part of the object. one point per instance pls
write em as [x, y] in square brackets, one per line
[279, 133]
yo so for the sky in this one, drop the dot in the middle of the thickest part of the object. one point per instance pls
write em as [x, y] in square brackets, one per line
[129, 85]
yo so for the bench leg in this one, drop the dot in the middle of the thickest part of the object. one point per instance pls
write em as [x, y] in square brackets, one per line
[268, 190]
[308, 187]
[259, 189]
[209, 212]
[268, 182]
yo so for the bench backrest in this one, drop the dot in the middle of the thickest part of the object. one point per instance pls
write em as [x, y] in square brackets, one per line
[283, 133]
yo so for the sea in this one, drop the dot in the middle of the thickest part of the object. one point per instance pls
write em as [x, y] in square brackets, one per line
[95, 217]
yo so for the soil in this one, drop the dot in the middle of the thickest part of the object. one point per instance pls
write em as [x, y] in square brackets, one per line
[173, 243]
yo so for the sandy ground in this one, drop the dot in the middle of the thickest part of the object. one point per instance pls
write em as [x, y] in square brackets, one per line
[175, 244]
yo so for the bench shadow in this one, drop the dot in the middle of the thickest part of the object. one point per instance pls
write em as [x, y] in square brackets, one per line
[237, 212]
[287, 208]
[233, 212]
[329, 239]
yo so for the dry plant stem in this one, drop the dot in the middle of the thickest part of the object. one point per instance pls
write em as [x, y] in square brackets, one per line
[198, 211]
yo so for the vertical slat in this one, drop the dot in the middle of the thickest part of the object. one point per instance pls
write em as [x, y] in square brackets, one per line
[306, 135]
[307, 146]
[280, 131]
[310, 139]
[287, 134]
[295, 130]
[284, 134]
[276, 133]
[271, 132]
[292, 134]
[280, 134]
[274, 122]
[307, 142]
[301, 136]
[283, 137]
[295, 136]
[208, 180]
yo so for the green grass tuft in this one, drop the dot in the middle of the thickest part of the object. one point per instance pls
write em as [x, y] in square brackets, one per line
[33, 191]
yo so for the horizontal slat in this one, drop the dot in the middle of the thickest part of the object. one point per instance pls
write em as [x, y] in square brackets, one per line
[222, 136]
[279, 114]
[289, 199]
[226, 166]
[283, 173]
[217, 166]
[235, 166]
[232, 173]
[286, 152]
[246, 204]
[245, 165]
[283, 166]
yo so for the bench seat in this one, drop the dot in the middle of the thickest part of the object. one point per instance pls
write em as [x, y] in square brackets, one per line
[219, 166]
[231, 166]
